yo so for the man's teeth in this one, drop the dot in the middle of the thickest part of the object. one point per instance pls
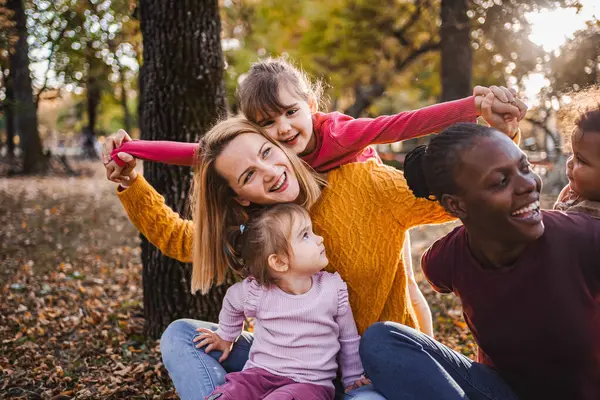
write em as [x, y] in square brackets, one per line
[279, 183]
[533, 206]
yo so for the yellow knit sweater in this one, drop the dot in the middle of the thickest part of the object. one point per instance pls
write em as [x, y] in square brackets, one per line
[363, 215]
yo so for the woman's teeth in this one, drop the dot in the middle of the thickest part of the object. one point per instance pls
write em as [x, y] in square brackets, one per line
[531, 207]
[279, 183]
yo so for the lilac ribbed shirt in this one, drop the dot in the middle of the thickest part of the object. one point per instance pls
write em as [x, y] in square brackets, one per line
[301, 337]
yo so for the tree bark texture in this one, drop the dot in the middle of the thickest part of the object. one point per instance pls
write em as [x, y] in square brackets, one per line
[93, 101]
[182, 96]
[9, 118]
[34, 160]
[456, 52]
[123, 99]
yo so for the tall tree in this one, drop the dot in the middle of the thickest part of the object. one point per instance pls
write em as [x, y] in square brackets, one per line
[34, 160]
[9, 117]
[370, 49]
[85, 44]
[456, 51]
[8, 38]
[182, 95]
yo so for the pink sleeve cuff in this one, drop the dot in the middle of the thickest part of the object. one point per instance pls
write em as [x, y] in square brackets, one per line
[163, 151]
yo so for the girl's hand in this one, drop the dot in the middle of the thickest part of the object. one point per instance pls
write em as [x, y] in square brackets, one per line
[123, 175]
[507, 123]
[507, 103]
[214, 342]
[358, 383]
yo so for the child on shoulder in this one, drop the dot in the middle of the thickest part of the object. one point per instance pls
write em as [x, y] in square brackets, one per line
[582, 194]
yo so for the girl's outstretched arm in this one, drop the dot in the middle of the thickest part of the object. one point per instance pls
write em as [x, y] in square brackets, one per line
[355, 134]
[163, 151]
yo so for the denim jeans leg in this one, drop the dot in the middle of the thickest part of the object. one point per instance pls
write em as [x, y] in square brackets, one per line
[404, 363]
[364, 393]
[195, 374]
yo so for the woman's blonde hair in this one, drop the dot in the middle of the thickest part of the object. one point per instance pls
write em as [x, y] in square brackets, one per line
[215, 209]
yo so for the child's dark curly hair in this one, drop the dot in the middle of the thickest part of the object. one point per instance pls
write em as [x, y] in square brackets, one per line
[582, 114]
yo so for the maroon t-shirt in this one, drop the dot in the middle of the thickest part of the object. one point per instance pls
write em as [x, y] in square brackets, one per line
[538, 321]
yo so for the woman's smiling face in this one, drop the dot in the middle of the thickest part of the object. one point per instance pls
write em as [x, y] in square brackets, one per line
[258, 171]
[499, 191]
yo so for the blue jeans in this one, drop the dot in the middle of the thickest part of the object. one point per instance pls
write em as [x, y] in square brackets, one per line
[406, 364]
[196, 374]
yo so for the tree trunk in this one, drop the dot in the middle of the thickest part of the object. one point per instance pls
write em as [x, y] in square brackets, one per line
[363, 98]
[93, 100]
[34, 160]
[9, 118]
[182, 96]
[456, 52]
[126, 114]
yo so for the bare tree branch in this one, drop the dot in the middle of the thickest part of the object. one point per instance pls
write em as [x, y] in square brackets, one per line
[55, 43]
[366, 94]
[542, 124]
[425, 48]
[400, 32]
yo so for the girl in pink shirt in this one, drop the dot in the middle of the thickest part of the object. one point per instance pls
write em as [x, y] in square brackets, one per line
[282, 100]
[303, 321]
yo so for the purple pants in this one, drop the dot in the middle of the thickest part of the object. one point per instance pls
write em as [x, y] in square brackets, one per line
[259, 384]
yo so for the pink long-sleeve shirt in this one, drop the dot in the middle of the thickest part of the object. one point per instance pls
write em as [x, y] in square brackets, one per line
[342, 139]
[301, 337]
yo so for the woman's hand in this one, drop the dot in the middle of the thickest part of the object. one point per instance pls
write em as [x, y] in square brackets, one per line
[123, 175]
[212, 341]
[506, 123]
[500, 107]
[358, 383]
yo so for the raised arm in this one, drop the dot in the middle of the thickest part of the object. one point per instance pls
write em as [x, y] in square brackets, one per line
[355, 134]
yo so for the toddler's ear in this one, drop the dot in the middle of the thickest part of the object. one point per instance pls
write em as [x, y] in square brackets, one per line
[278, 263]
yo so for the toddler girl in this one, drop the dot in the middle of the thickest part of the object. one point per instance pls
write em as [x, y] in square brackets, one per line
[303, 321]
[582, 194]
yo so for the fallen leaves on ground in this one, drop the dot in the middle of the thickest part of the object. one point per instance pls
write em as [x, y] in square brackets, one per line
[71, 321]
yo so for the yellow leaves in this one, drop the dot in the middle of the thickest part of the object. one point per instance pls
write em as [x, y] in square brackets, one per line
[460, 324]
